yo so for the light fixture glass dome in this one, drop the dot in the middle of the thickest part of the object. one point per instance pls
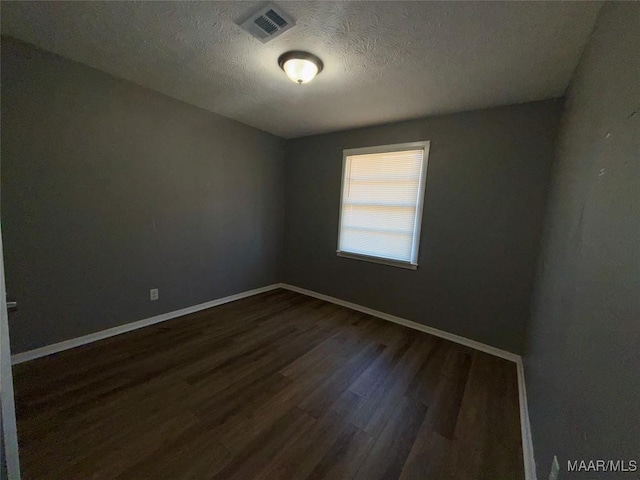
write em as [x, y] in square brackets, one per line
[300, 67]
[299, 70]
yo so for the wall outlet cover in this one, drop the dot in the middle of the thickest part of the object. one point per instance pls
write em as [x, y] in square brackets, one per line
[153, 294]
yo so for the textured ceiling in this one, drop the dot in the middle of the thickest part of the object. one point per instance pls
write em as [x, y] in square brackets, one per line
[384, 61]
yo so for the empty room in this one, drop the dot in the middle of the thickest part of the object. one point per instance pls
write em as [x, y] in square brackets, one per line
[305, 240]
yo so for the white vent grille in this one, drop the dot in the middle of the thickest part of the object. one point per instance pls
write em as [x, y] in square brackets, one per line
[267, 23]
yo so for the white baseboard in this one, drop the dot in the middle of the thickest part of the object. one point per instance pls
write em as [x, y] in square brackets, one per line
[94, 337]
[525, 426]
[408, 323]
[527, 446]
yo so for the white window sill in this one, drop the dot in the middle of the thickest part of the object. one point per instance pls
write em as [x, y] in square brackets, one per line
[382, 261]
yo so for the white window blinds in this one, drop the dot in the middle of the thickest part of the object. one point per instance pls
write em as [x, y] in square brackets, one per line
[381, 207]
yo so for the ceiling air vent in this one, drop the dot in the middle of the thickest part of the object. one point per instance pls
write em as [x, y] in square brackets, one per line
[267, 23]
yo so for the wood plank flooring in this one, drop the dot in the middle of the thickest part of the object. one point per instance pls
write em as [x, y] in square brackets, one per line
[275, 386]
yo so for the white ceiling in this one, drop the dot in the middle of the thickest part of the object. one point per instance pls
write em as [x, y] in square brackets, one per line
[384, 61]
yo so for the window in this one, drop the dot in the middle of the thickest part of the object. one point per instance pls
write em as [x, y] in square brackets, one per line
[381, 203]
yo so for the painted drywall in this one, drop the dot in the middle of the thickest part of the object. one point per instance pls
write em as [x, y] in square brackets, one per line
[583, 344]
[486, 186]
[3, 463]
[110, 189]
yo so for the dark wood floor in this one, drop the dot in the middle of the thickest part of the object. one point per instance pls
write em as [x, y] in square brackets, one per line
[276, 386]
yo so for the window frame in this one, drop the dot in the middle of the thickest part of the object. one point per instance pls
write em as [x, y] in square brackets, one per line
[422, 187]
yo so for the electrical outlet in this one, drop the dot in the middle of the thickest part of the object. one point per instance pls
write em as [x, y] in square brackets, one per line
[555, 469]
[153, 294]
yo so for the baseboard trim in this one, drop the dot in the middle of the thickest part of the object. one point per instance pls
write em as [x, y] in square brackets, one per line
[408, 323]
[525, 429]
[527, 445]
[525, 426]
[110, 332]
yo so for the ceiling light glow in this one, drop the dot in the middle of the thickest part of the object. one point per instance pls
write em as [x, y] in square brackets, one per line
[300, 67]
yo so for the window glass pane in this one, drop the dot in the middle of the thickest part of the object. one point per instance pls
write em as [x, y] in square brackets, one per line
[381, 191]
[379, 217]
[380, 197]
[386, 166]
[378, 244]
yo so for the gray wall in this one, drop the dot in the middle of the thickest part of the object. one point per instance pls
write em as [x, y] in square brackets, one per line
[3, 463]
[486, 187]
[110, 189]
[583, 355]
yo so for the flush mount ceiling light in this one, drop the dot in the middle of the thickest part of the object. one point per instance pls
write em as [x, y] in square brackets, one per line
[300, 67]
